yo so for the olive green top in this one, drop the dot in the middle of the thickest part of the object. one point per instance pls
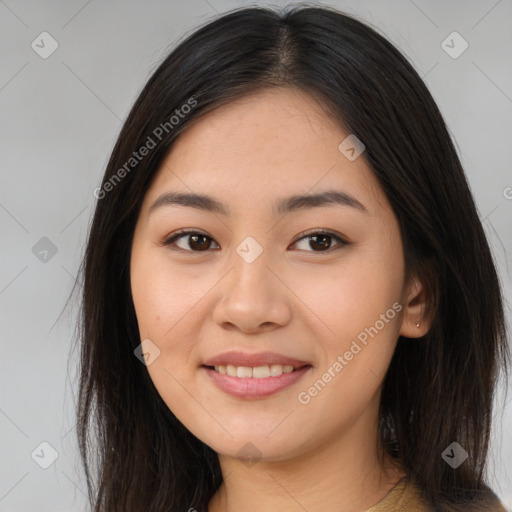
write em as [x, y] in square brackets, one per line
[409, 499]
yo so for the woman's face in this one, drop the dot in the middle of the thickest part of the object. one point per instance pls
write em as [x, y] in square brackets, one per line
[250, 289]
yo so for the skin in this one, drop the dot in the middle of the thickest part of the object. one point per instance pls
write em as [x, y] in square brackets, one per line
[294, 299]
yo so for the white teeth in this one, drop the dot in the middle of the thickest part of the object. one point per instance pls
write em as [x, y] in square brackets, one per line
[260, 372]
[257, 372]
[243, 371]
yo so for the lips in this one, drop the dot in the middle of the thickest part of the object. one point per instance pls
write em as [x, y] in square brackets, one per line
[248, 386]
[253, 389]
[238, 358]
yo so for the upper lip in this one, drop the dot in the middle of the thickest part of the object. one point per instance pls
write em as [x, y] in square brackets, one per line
[239, 358]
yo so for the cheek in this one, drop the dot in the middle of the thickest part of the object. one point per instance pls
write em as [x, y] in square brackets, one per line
[358, 314]
[166, 302]
[164, 295]
[170, 303]
[348, 297]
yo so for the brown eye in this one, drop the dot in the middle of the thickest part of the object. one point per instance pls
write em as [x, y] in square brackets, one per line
[322, 241]
[197, 242]
[192, 241]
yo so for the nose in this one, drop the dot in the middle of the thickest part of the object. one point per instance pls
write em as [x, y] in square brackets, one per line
[253, 297]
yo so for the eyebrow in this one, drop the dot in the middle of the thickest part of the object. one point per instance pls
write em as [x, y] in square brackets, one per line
[288, 204]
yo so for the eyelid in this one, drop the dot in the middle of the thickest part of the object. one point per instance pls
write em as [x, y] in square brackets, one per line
[168, 240]
[305, 234]
[321, 231]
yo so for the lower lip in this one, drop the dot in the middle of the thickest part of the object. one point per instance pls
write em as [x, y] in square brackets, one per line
[249, 387]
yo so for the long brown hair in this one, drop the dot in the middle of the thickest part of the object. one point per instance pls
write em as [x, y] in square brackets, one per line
[136, 455]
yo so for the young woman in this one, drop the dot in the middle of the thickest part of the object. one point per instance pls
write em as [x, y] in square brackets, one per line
[289, 302]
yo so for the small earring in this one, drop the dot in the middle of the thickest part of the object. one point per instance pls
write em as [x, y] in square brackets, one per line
[418, 324]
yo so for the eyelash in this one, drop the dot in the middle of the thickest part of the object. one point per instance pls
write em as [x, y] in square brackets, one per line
[306, 234]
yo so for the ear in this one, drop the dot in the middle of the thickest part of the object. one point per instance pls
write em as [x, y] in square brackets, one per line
[414, 311]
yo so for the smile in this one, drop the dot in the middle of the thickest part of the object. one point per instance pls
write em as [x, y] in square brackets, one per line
[254, 382]
[256, 372]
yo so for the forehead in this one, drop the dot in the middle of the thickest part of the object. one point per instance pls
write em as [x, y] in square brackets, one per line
[274, 143]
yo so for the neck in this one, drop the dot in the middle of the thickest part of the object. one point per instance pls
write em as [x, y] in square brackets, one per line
[349, 473]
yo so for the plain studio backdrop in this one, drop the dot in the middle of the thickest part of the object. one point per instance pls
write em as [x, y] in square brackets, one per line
[62, 104]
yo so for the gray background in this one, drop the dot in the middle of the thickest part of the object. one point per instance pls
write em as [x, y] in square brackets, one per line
[59, 119]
